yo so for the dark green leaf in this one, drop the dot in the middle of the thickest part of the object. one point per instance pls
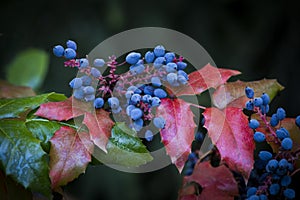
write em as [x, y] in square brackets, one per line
[124, 148]
[23, 158]
[12, 108]
[29, 68]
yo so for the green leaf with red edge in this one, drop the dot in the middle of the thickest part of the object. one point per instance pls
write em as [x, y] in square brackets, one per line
[178, 134]
[233, 94]
[229, 131]
[70, 154]
[216, 183]
[203, 79]
[64, 110]
[8, 90]
[99, 125]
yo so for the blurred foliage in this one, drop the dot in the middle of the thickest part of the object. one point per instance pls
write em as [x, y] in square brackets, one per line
[259, 38]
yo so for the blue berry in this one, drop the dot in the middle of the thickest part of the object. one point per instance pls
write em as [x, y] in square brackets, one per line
[259, 137]
[193, 157]
[133, 57]
[283, 163]
[132, 88]
[149, 135]
[274, 120]
[249, 92]
[251, 191]
[138, 91]
[156, 81]
[263, 197]
[135, 99]
[274, 189]
[287, 144]
[149, 57]
[158, 62]
[281, 172]
[264, 109]
[159, 122]
[285, 181]
[69, 53]
[257, 101]
[289, 193]
[136, 113]
[170, 56]
[137, 69]
[113, 102]
[76, 83]
[290, 167]
[181, 65]
[128, 94]
[171, 67]
[86, 80]
[89, 90]
[182, 73]
[129, 109]
[78, 93]
[280, 113]
[253, 197]
[159, 51]
[253, 123]
[282, 133]
[172, 79]
[89, 97]
[99, 102]
[249, 105]
[58, 51]
[160, 93]
[199, 137]
[265, 155]
[182, 80]
[99, 62]
[266, 99]
[149, 90]
[116, 110]
[138, 124]
[297, 120]
[84, 63]
[71, 44]
[147, 98]
[95, 72]
[272, 165]
[155, 102]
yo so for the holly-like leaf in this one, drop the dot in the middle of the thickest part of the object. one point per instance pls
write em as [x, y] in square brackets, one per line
[229, 131]
[69, 155]
[124, 148]
[13, 108]
[99, 125]
[203, 79]
[64, 110]
[23, 158]
[233, 94]
[216, 183]
[8, 90]
[178, 134]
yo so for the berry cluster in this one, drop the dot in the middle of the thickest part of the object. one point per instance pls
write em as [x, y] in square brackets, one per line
[272, 173]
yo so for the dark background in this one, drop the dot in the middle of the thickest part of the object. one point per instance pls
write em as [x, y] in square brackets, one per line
[259, 38]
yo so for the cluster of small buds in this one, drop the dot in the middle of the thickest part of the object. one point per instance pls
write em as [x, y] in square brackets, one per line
[272, 172]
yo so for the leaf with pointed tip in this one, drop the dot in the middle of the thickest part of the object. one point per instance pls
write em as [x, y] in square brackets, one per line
[203, 79]
[8, 90]
[99, 125]
[178, 134]
[69, 155]
[229, 131]
[216, 183]
[13, 108]
[23, 158]
[64, 110]
[124, 148]
[233, 94]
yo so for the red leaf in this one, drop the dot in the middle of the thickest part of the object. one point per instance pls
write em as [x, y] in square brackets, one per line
[229, 131]
[69, 155]
[205, 78]
[178, 133]
[63, 110]
[99, 125]
[8, 90]
[217, 183]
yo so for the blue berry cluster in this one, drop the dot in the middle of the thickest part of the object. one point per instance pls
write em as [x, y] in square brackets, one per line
[272, 173]
[68, 53]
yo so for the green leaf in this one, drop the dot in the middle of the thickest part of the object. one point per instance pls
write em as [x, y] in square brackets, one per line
[13, 108]
[23, 158]
[124, 148]
[29, 68]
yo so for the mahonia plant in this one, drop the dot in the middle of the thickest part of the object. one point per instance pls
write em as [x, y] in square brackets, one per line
[49, 139]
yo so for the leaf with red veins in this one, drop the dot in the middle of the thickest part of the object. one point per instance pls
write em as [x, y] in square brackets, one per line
[69, 155]
[216, 182]
[178, 134]
[64, 110]
[229, 131]
[99, 125]
[203, 79]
